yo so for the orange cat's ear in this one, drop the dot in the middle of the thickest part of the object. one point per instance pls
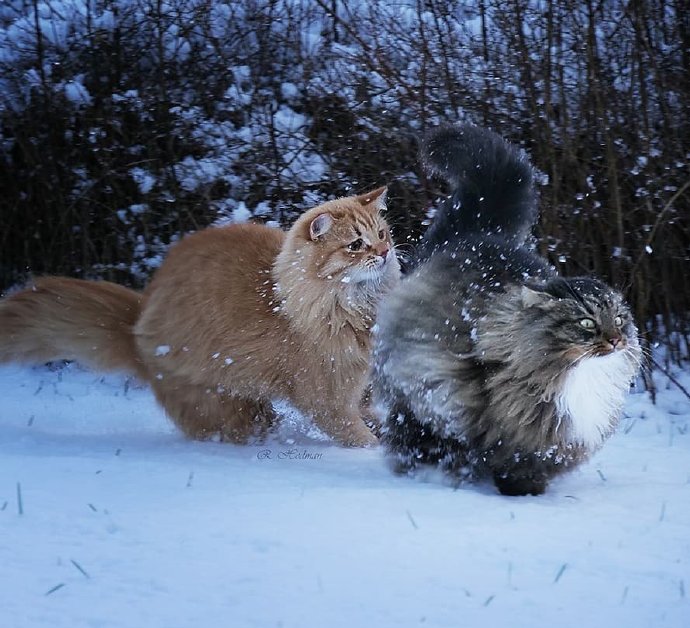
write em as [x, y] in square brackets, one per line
[320, 225]
[377, 197]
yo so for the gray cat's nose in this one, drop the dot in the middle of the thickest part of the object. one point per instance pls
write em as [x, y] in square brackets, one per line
[614, 341]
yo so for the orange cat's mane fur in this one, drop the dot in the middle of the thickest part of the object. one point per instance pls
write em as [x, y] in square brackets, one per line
[235, 317]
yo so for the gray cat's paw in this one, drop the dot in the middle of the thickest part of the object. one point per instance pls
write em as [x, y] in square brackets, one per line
[516, 485]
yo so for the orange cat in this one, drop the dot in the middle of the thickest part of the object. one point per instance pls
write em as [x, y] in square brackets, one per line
[234, 318]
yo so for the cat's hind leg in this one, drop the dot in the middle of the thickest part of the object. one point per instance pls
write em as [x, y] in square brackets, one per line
[404, 438]
[408, 441]
[250, 420]
[411, 443]
[202, 413]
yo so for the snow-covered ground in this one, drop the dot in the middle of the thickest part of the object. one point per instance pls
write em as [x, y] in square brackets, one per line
[109, 517]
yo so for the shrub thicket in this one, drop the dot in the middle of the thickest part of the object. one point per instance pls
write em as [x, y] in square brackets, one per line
[126, 123]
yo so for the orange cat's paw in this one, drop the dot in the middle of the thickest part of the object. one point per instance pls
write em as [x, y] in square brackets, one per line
[361, 438]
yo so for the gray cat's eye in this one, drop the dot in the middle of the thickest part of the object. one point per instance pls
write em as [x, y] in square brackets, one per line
[587, 323]
[618, 321]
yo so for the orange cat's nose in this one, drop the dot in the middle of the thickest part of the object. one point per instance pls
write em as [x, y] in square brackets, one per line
[383, 252]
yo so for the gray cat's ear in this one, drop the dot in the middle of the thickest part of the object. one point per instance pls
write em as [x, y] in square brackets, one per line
[376, 197]
[532, 298]
[320, 225]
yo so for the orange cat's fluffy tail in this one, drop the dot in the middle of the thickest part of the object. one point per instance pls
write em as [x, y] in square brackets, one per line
[59, 318]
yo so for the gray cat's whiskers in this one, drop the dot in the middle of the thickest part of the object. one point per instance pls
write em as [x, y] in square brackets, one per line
[588, 354]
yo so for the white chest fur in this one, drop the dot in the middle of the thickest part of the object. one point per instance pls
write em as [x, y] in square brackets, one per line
[592, 397]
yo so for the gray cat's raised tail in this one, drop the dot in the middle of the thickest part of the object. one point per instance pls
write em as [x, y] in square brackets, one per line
[492, 183]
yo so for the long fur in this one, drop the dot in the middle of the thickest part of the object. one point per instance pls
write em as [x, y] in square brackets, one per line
[234, 318]
[60, 318]
[492, 185]
[480, 361]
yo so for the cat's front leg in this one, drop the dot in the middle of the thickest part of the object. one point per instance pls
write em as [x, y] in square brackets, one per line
[342, 422]
[521, 479]
[347, 428]
[336, 410]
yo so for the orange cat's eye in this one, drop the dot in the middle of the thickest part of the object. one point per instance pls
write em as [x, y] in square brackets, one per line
[356, 245]
[382, 234]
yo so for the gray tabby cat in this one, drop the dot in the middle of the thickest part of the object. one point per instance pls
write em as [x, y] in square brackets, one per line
[486, 361]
